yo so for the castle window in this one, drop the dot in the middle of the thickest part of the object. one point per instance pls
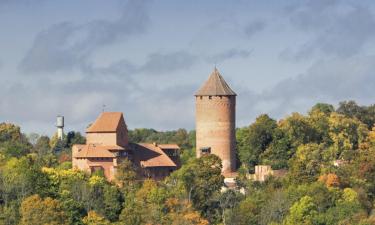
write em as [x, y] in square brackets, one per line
[201, 97]
[205, 150]
[209, 97]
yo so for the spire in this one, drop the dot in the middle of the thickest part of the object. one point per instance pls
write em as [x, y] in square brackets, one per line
[215, 85]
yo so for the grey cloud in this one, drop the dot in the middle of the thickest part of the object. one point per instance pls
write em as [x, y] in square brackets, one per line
[170, 62]
[337, 28]
[66, 46]
[50, 52]
[156, 63]
[326, 81]
[79, 101]
[228, 54]
[119, 68]
[254, 27]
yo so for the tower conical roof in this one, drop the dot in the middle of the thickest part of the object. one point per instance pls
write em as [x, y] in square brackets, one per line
[215, 86]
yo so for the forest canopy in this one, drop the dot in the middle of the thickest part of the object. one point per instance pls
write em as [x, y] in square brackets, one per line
[329, 155]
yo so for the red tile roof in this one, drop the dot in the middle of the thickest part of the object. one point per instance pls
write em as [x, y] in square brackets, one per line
[96, 151]
[106, 122]
[151, 155]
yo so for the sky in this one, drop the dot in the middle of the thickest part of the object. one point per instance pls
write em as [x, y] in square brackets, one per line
[147, 58]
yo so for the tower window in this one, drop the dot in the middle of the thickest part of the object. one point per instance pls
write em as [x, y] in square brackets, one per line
[205, 150]
[201, 97]
[209, 97]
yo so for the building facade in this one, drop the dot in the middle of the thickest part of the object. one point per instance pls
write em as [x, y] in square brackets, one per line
[107, 145]
[215, 121]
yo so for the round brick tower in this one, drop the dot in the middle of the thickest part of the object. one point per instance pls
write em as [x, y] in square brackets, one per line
[215, 121]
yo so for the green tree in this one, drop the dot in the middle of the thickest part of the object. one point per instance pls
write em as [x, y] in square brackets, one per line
[278, 152]
[365, 114]
[347, 134]
[252, 144]
[202, 179]
[307, 163]
[112, 202]
[323, 107]
[302, 212]
[73, 138]
[126, 176]
[298, 130]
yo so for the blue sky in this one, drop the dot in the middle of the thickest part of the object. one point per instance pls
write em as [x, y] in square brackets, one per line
[147, 58]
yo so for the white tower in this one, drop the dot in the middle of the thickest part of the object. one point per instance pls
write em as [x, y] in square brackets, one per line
[60, 127]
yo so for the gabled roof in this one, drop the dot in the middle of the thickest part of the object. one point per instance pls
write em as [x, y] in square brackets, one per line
[106, 122]
[151, 155]
[96, 151]
[215, 86]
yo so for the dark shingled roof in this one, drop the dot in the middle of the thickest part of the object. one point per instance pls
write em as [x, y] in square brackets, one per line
[215, 86]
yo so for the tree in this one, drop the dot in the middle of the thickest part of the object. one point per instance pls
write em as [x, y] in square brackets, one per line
[246, 212]
[93, 218]
[347, 134]
[298, 130]
[255, 142]
[228, 201]
[306, 164]
[35, 210]
[112, 202]
[323, 107]
[278, 152]
[126, 175]
[330, 180]
[302, 212]
[319, 121]
[10, 132]
[22, 177]
[73, 138]
[202, 179]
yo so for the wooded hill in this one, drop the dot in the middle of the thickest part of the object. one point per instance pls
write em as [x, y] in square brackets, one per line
[38, 185]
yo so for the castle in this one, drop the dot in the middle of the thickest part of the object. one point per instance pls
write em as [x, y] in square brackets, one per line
[107, 143]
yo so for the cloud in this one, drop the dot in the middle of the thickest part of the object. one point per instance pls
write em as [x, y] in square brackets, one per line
[228, 54]
[336, 28]
[329, 81]
[254, 27]
[162, 63]
[66, 46]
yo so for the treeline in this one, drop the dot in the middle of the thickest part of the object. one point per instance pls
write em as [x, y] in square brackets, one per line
[330, 157]
[329, 154]
[39, 186]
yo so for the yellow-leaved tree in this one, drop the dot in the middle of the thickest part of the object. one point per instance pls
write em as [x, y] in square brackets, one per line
[37, 211]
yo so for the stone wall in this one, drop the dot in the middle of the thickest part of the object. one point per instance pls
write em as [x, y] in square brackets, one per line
[262, 172]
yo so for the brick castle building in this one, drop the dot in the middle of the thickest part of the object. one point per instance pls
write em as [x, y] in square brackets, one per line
[107, 144]
[215, 121]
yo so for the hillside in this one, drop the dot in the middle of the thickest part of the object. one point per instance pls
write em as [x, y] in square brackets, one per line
[329, 155]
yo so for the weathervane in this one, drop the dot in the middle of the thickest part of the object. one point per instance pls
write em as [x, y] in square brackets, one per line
[103, 107]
